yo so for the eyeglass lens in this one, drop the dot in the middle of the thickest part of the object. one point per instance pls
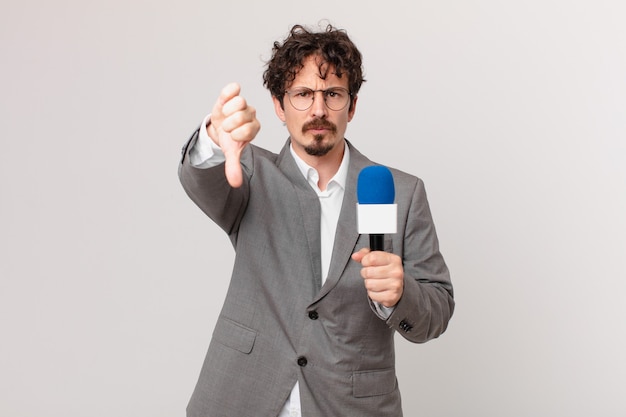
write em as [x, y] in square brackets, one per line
[335, 98]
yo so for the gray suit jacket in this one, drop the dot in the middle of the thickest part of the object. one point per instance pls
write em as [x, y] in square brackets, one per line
[279, 325]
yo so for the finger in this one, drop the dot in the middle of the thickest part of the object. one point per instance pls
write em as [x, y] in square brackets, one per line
[373, 258]
[389, 289]
[372, 270]
[228, 92]
[382, 259]
[236, 104]
[239, 119]
[383, 284]
[246, 132]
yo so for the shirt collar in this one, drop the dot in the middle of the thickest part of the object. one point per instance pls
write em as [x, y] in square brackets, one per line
[311, 174]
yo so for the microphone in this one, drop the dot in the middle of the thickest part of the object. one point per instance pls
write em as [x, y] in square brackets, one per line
[376, 212]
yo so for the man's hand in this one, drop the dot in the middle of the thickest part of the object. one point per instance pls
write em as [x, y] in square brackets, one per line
[233, 125]
[382, 274]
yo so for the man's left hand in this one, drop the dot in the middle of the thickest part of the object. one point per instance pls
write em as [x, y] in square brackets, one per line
[382, 274]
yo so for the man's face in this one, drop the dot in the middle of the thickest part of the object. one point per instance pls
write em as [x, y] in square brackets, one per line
[317, 131]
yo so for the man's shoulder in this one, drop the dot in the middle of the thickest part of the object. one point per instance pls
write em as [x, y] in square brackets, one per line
[259, 152]
[401, 178]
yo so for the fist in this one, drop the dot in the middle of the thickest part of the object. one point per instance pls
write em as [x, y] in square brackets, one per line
[383, 275]
[233, 125]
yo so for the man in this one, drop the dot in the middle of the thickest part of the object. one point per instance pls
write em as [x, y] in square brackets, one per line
[307, 327]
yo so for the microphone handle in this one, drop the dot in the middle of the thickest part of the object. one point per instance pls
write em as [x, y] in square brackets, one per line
[377, 242]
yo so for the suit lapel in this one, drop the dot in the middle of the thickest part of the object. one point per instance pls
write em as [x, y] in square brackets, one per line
[346, 235]
[310, 208]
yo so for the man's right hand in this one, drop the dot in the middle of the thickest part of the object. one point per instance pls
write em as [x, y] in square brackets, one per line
[233, 125]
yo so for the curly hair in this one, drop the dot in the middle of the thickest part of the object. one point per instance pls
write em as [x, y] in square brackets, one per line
[332, 45]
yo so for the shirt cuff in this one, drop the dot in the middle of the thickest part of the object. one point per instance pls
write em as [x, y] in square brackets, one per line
[205, 153]
[382, 311]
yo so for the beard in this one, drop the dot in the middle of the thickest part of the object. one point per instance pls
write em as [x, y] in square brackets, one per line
[318, 147]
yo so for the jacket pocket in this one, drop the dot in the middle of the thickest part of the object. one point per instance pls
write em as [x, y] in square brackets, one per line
[371, 383]
[234, 335]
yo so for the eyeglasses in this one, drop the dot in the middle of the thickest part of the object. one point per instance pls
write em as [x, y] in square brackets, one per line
[336, 98]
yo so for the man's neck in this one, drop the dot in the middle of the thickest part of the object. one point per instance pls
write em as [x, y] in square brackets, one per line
[326, 165]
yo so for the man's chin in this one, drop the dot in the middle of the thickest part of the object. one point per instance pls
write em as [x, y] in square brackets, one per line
[317, 150]
[318, 147]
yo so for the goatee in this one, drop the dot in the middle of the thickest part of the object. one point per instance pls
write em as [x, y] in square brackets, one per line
[318, 148]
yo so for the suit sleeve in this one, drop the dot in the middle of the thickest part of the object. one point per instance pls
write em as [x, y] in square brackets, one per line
[210, 191]
[427, 303]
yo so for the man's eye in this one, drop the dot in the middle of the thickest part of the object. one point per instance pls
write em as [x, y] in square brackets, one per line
[303, 93]
[335, 93]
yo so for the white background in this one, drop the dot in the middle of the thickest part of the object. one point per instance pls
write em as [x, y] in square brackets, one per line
[513, 113]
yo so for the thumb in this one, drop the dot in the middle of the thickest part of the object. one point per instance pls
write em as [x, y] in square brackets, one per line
[232, 166]
[358, 256]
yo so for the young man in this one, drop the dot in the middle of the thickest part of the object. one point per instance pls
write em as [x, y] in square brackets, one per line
[307, 327]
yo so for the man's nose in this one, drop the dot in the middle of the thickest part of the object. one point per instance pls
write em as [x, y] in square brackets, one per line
[319, 108]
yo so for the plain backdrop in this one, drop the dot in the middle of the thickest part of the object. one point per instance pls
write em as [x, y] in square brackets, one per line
[513, 113]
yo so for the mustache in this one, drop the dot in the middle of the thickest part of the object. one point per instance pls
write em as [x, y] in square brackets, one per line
[319, 124]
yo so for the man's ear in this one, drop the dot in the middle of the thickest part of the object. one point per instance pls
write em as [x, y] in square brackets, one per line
[278, 108]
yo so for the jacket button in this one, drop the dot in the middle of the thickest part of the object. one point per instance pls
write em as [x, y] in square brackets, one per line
[302, 361]
[404, 325]
[313, 315]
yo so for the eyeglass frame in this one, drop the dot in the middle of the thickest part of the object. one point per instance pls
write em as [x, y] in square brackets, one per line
[324, 92]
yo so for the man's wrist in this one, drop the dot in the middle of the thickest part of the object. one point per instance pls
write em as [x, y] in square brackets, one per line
[205, 153]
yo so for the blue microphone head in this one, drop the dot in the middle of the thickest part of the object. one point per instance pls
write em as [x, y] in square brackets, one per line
[375, 186]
